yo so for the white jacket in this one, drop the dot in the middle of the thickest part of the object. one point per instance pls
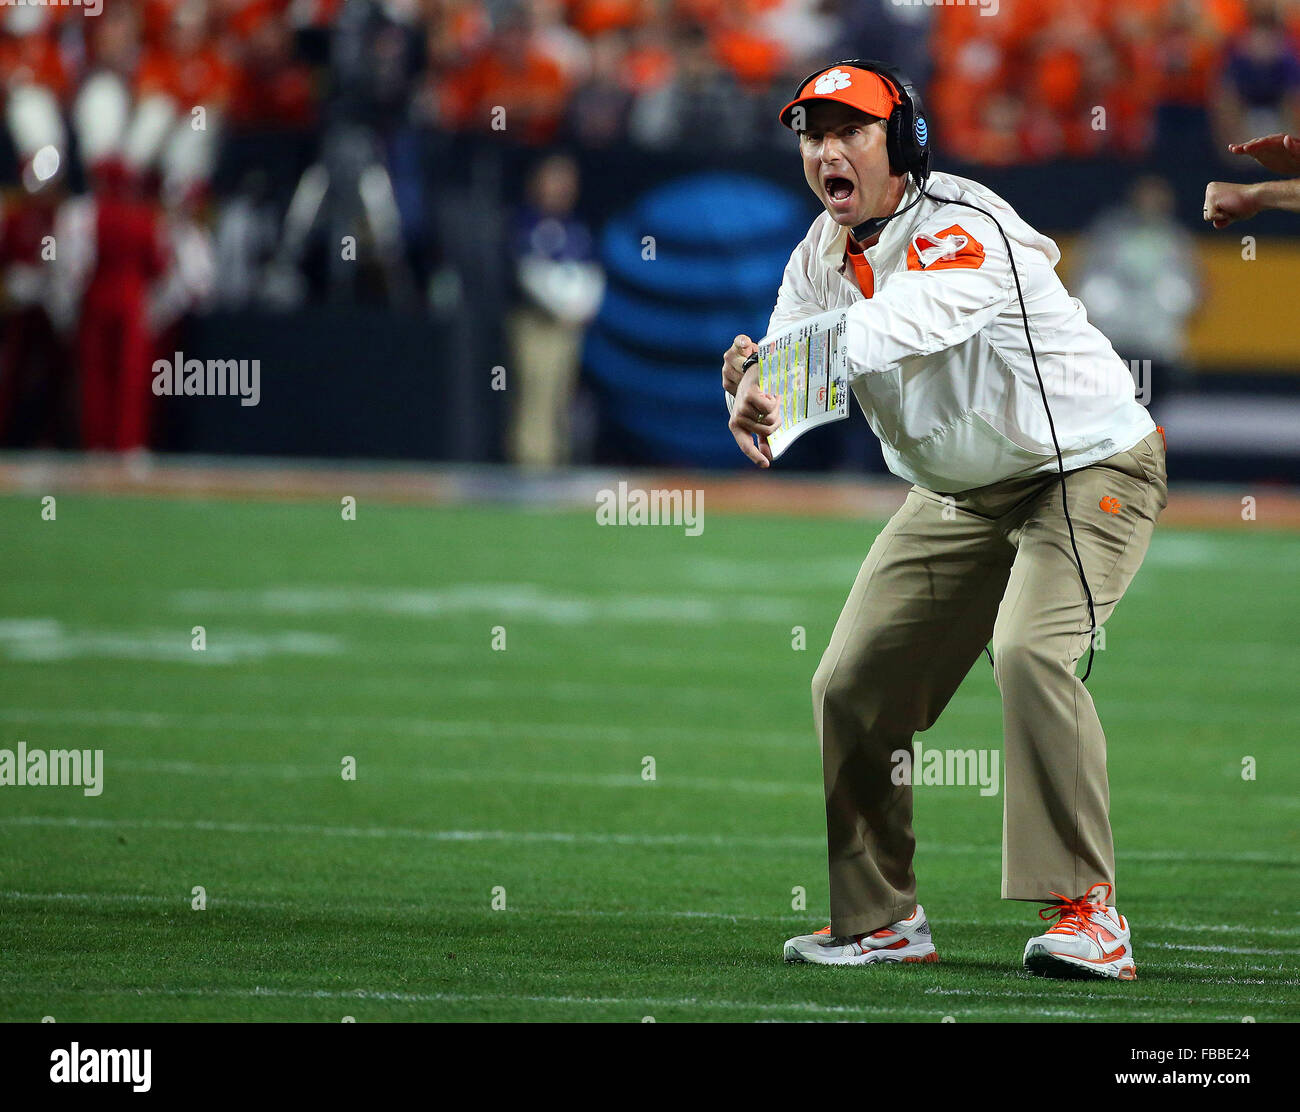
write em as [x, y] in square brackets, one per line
[938, 358]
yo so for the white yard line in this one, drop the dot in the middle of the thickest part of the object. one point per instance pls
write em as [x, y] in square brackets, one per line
[701, 737]
[644, 1004]
[632, 779]
[566, 837]
[379, 726]
[451, 836]
[1218, 949]
[364, 995]
[1122, 997]
[181, 900]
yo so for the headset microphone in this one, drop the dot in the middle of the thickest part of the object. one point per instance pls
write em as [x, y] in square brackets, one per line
[873, 227]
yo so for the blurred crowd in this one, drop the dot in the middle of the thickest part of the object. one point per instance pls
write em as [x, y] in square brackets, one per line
[1045, 81]
[1013, 80]
[115, 113]
[118, 114]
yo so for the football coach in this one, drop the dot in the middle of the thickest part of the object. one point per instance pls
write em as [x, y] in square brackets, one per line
[1037, 482]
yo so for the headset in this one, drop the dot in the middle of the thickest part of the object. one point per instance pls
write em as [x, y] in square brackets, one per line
[908, 143]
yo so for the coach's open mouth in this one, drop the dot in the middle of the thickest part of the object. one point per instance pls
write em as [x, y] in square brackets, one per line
[839, 191]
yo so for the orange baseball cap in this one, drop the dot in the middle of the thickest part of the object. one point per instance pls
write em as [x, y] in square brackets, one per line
[862, 89]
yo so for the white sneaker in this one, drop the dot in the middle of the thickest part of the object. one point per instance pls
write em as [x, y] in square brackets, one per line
[907, 940]
[1088, 940]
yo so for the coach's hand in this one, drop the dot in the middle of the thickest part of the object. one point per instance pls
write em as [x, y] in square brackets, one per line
[1279, 153]
[754, 414]
[1225, 202]
[742, 347]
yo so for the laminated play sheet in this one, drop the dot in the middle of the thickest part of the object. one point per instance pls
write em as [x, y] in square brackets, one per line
[805, 364]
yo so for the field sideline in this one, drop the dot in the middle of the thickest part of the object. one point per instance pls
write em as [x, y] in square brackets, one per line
[520, 771]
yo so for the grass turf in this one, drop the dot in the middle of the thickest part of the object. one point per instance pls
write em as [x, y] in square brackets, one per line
[521, 770]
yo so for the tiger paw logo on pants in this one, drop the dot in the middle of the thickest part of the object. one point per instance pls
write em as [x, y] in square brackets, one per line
[1110, 505]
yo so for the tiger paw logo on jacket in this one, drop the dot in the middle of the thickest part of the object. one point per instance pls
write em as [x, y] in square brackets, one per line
[954, 246]
[1110, 505]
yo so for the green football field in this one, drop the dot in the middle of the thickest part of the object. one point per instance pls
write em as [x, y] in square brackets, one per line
[501, 678]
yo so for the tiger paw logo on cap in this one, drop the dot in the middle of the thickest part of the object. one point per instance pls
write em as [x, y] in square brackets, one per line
[832, 81]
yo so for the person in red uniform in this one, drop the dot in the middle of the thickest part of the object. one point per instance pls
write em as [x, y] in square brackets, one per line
[33, 359]
[113, 339]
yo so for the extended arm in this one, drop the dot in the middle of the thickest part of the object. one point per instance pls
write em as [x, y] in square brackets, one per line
[1226, 202]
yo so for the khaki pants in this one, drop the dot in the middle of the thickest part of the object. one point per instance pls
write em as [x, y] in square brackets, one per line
[546, 353]
[946, 575]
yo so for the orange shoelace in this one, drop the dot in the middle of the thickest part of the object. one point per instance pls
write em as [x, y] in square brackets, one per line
[1074, 914]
